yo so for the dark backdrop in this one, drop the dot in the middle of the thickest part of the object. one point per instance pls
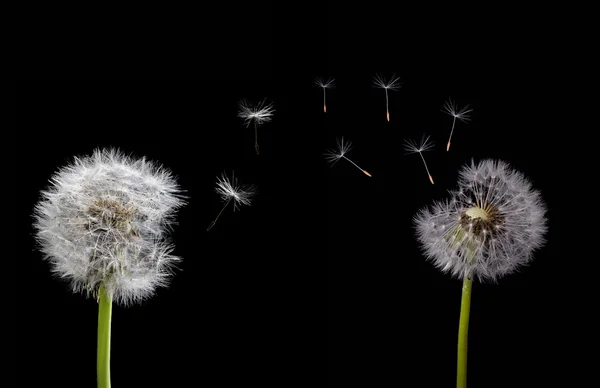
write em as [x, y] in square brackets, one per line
[320, 279]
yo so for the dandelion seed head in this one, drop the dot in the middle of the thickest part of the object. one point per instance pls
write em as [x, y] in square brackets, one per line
[343, 147]
[325, 82]
[259, 113]
[452, 109]
[230, 189]
[392, 84]
[104, 220]
[489, 228]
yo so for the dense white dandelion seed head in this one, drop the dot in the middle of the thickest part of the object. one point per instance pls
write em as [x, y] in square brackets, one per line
[452, 109]
[412, 146]
[392, 84]
[491, 226]
[334, 154]
[231, 189]
[104, 220]
[259, 112]
[325, 82]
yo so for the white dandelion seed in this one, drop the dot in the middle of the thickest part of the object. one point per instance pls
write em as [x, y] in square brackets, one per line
[333, 155]
[258, 113]
[412, 147]
[103, 221]
[231, 190]
[325, 84]
[489, 228]
[452, 109]
[392, 84]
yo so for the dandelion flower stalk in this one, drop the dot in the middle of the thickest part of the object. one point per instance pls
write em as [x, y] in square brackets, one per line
[230, 190]
[462, 114]
[333, 155]
[257, 113]
[392, 84]
[103, 356]
[102, 224]
[324, 84]
[411, 147]
[490, 227]
[463, 333]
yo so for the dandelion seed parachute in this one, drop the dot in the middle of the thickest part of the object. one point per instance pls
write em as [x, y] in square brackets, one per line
[490, 227]
[411, 147]
[333, 155]
[104, 221]
[324, 84]
[258, 113]
[392, 84]
[452, 109]
[231, 190]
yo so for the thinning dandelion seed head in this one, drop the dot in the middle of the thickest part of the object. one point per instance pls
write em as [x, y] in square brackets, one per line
[392, 84]
[259, 112]
[412, 146]
[104, 220]
[325, 82]
[489, 227]
[230, 189]
[462, 114]
[334, 154]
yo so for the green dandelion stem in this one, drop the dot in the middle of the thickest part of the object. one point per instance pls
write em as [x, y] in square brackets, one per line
[463, 331]
[103, 356]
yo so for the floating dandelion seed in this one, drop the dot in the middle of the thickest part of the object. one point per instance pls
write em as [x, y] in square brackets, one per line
[322, 83]
[490, 227]
[333, 155]
[452, 109]
[230, 190]
[412, 147]
[258, 113]
[392, 84]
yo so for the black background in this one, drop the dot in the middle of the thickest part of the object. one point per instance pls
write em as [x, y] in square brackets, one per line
[320, 279]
